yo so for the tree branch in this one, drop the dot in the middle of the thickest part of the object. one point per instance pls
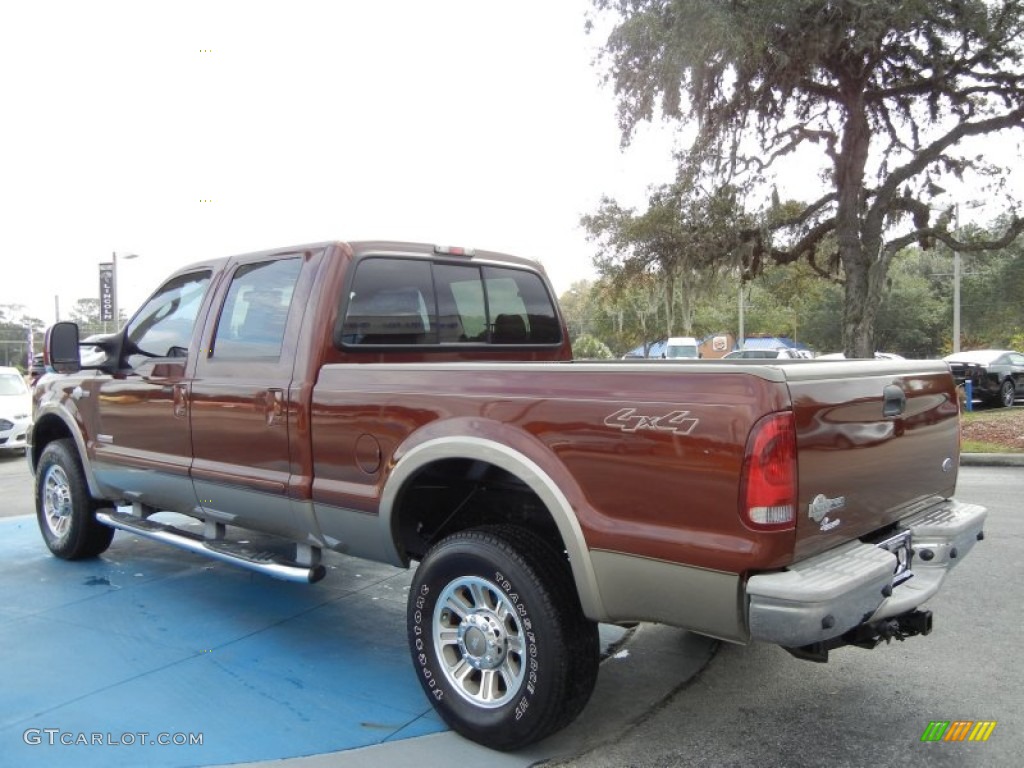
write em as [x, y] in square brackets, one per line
[1013, 231]
[933, 151]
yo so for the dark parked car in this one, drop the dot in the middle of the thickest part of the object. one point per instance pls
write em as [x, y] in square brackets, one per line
[996, 375]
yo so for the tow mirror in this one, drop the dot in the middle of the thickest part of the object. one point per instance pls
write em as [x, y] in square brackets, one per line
[61, 348]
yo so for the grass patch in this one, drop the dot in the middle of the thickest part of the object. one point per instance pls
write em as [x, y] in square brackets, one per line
[976, 446]
[993, 430]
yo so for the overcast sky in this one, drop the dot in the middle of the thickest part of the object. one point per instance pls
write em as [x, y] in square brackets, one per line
[473, 123]
[180, 131]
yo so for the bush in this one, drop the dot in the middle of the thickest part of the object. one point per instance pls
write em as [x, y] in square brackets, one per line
[586, 347]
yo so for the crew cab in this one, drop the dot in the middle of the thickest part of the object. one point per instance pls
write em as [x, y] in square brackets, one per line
[410, 403]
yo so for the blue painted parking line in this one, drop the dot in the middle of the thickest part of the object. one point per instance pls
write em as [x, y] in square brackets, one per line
[105, 660]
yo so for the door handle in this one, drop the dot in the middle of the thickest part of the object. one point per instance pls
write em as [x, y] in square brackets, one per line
[180, 398]
[274, 404]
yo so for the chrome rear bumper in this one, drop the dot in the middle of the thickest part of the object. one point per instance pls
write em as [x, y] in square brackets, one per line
[829, 594]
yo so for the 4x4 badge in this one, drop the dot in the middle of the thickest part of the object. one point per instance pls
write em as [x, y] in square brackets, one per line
[628, 420]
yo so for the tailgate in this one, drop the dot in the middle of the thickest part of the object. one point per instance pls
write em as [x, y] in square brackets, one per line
[876, 441]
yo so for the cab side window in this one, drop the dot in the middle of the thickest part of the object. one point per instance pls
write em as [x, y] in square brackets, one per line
[163, 327]
[253, 319]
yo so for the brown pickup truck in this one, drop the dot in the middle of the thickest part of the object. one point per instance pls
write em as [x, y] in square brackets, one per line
[404, 402]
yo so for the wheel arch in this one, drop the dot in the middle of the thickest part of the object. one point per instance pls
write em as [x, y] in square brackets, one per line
[396, 508]
[57, 424]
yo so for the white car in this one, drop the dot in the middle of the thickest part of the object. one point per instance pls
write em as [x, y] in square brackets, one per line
[15, 410]
[878, 356]
[775, 353]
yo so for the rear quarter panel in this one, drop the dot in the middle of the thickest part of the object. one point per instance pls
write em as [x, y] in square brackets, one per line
[649, 455]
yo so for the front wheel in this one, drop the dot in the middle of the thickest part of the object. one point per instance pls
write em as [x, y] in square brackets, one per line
[498, 639]
[64, 509]
[1007, 394]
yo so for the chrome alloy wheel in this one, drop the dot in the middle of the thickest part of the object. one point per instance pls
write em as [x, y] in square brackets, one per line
[480, 641]
[57, 507]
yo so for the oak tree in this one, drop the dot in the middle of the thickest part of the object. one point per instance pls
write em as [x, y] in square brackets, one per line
[889, 93]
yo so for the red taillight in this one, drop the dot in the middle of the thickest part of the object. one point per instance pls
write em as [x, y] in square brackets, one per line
[768, 486]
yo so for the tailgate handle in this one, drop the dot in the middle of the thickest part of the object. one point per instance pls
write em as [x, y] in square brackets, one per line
[895, 401]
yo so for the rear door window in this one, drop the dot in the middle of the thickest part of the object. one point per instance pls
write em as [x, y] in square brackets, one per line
[255, 313]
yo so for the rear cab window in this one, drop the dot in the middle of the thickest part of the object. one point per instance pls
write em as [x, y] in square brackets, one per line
[423, 303]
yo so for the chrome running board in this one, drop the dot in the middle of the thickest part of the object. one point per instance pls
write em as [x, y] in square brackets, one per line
[269, 563]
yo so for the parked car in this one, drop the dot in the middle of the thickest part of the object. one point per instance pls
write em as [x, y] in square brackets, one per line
[38, 369]
[996, 375]
[15, 410]
[682, 348]
[878, 356]
[781, 353]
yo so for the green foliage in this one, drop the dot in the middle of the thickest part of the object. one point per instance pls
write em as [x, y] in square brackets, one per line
[622, 317]
[578, 308]
[86, 313]
[914, 318]
[14, 325]
[588, 348]
[992, 299]
[679, 249]
[884, 91]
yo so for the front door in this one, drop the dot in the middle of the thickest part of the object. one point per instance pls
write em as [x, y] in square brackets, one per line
[141, 443]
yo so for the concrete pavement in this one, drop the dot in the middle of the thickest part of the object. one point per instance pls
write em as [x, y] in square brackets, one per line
[652, 706]
[147, 640]
[757, 706]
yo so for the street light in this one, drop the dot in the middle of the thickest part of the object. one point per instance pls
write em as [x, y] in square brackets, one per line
[956, 282]
[973, 205]
[956, 263]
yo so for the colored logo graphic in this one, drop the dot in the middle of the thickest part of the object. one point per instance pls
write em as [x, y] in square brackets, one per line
[958, 730]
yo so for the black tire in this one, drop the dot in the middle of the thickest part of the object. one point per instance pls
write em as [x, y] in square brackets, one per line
[64, 509]
[1007, 394]
[498, 639]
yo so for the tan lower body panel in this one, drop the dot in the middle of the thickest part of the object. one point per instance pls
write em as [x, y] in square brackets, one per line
[640, 589]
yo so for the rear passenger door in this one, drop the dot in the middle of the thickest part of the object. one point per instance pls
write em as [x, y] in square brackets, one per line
[242, 410]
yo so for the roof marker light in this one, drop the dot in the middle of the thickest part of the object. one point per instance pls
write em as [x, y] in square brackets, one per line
[454, 250]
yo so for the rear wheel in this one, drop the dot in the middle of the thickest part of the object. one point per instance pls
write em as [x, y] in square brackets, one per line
[498, 639]
[65, 510]
[1007, 394]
